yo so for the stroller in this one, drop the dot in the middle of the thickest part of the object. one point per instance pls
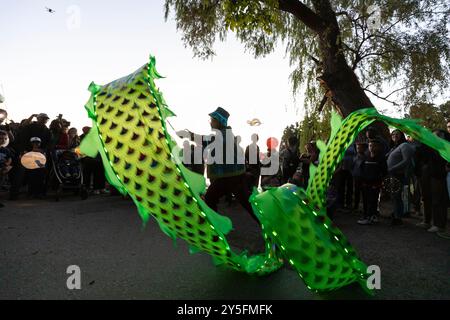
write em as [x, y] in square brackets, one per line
[66, 173]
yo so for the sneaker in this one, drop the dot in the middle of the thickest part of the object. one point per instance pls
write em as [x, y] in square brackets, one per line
[443, 234]
[423, 225]
[364, 221]
[96, 192]
[433, 229]
[374, 219]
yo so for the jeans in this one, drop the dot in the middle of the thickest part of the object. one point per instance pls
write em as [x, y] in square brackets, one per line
[397, 198]
[344, 181]
[370, 200]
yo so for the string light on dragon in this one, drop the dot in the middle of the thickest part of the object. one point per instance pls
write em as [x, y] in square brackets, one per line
[129, 131]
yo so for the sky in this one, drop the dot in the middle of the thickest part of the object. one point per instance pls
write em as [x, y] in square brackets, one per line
[48, 60]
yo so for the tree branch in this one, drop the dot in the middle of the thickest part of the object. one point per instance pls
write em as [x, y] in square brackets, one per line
[316, 61]
[303, 13]
[385, 98]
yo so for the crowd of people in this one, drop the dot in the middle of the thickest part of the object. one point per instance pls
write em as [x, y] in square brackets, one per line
[413, 176]
[44, 144]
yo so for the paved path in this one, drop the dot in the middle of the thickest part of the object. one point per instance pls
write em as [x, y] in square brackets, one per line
[120, 260]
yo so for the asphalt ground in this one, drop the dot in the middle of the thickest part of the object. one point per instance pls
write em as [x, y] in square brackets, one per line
[119, 259]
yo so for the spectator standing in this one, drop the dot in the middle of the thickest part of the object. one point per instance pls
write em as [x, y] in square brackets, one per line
[440, 197]
[399, 162]
[36, 177]
[93, 171]
[253, 163]
[74, 140]
[271, 159]
[344, 180]
[357, 172]
[373, 170]
[289, 159]
[28, 129]
[311, 156]
[35, 129]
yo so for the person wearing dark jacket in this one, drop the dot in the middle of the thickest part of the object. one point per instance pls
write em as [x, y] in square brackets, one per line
[290, 160]
[253, 162]
[344, 180]
[93, 170]
[29, 130]
[35, 129]
[436, 208]
[373, 170]
[36, 177]
[358, 161]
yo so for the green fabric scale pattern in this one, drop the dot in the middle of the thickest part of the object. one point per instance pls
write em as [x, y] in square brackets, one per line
[305, 239]
[129, 115]
[129, 131]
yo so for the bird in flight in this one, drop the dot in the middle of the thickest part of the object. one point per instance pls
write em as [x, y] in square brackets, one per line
[50, 10]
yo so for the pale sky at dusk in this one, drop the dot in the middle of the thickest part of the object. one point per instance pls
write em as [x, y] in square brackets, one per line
[48, 60]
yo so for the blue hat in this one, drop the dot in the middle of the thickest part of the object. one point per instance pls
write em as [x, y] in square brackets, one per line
[220, 115]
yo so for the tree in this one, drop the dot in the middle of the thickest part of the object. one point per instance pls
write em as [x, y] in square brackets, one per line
[433, 117]
[313, 127]
[348, 46]
[290, 131]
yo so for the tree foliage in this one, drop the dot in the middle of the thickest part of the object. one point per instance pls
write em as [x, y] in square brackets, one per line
[314, 126]
[405, 59]
[433, 117]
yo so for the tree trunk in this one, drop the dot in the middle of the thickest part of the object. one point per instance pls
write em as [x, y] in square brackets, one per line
[339, 77]
[345, 87]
